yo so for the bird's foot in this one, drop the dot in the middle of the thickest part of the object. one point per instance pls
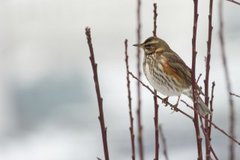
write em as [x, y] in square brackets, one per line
[165, 101]
[175, 106]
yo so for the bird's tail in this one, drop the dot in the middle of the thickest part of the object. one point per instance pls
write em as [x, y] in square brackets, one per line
[203, 109]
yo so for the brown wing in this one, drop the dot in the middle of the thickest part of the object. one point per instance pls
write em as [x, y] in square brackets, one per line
[177, 67]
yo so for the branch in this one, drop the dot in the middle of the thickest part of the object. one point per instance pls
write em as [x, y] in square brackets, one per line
[214, 154]
[238, 3]
[233, 94]
[156, 106]
[211, 109]
[208, 157]
[165, 153]
[131, 128]
[229, 87]
[206, 81]
[199, 76]
[98, 93]
[194, 90]
[139, 118]
[155, 19]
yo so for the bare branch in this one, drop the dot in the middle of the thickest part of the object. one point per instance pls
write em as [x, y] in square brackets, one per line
[199, 76]
[233, 94]
[238, 3]
[165, 153]
[194, 90]
[214, 154]
[155, 19]
[206, 81]
[131, 128]
[211, 109]
[156, 106]
[228, 82]
[204, 130]
[98, 93]
[139, 118]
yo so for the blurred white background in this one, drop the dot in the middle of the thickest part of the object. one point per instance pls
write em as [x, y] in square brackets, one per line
[48, 108]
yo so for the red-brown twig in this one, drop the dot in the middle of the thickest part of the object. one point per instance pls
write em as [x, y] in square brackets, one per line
[139, 118]
[173, 107]
[131, 128]
[233, 94]
[214, 154]
[238, 3]
[156, 106]
[155, 19]
[206, 81]
[199, 77]
[228, 82]
[165, 153]
[98, 93]
[194, 90]
[208, 142]
[211, 109]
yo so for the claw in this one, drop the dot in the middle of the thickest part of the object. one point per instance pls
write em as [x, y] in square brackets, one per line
[175, 106]
[165, 101]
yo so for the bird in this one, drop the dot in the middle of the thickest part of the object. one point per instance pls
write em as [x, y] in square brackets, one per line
[167, 72]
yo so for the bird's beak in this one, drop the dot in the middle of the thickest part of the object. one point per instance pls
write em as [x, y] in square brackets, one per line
[138, 45]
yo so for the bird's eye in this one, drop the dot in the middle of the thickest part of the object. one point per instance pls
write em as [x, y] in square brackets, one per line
[148, 47]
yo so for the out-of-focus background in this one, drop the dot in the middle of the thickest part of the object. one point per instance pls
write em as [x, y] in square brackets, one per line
[48, 108]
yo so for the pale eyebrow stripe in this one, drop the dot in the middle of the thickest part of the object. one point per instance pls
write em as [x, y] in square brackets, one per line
[152, 42]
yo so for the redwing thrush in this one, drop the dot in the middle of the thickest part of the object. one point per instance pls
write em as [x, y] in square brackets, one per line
[167, 72]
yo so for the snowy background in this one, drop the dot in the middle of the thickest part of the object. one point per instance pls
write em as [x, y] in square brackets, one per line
[48, 108]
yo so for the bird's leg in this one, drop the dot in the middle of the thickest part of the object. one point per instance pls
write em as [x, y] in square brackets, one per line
[176, 105]
[165, 100]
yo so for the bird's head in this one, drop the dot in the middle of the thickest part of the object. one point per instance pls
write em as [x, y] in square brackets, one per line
[152, 44]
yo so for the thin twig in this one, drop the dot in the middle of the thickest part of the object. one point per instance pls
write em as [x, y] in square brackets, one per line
[211, 109]
[199, 76]
[131, 128]
[194, 90]
[238, 3]
[155, 19]
[208, 139]
[214, 154]
[139, 118]
[206, 81]
[228, 82]
[156, 106]
[165, 152]
[233, 94]
[98, 93]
